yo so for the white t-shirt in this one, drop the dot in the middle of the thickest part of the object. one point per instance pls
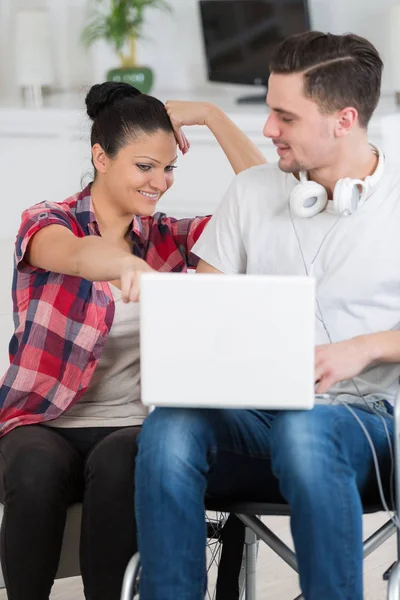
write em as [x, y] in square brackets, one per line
[357, 268]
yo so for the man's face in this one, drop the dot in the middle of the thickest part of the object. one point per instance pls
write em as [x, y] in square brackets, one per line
[303, 135]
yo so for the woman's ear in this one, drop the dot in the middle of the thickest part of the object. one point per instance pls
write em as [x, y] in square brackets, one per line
[100, 159]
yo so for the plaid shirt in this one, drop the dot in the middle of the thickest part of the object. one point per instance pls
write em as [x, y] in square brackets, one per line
[62, 321]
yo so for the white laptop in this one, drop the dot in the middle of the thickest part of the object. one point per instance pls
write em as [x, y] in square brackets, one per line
[227, 341]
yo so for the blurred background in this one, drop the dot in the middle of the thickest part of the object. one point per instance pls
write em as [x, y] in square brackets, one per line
[172, 44]
[51, 51]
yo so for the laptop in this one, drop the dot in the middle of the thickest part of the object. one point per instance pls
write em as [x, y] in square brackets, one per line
[227, 341]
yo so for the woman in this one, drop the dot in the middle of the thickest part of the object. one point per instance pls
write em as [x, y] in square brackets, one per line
[70, 408]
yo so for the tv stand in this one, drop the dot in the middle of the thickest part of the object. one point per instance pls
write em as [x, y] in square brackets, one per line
[254, 99]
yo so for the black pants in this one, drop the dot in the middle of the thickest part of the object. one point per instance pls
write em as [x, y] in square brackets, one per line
[43, 471]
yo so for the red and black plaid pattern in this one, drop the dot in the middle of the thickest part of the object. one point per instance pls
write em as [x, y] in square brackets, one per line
[62, 321]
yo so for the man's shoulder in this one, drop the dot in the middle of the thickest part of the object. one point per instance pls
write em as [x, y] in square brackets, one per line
[264, 187]
[261, 175]
[391, 173]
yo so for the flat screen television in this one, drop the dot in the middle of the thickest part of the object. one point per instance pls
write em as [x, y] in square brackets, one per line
[240, 36]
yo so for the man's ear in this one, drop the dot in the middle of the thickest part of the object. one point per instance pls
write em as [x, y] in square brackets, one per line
[100, 159]
[346, 120]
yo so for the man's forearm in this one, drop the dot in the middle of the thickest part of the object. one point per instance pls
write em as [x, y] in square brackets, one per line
[382, 347]
[241, 152]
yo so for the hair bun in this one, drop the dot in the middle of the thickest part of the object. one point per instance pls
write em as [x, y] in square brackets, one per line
[106, 94]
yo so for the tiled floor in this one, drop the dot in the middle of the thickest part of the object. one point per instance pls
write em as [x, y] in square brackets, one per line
[275, 580]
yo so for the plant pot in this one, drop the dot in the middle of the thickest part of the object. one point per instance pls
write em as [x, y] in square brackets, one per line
[140, 77]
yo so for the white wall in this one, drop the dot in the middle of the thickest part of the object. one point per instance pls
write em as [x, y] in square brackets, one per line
[369, 18]
[173, 44]
[73, 65]
[183, 67]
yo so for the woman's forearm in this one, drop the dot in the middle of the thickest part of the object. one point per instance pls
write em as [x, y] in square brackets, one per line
[96, 259]
[241, 152]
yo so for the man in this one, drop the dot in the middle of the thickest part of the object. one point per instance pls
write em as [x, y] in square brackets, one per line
[331, 207]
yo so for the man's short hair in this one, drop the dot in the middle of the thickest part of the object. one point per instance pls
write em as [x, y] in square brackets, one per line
[338, 70]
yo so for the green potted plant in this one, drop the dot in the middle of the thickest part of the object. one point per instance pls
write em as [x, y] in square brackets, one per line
[120, 23]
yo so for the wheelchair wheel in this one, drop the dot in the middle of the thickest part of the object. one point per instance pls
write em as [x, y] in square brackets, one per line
[225, 556]
[224, 578]
[215, 522]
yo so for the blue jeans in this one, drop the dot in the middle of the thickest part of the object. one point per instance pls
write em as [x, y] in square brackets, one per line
[319, 460]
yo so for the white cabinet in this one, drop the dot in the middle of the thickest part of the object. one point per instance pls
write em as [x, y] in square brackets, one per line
[43, 155]
[32, 170]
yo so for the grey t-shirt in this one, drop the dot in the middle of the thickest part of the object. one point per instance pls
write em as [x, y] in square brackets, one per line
[113, 396]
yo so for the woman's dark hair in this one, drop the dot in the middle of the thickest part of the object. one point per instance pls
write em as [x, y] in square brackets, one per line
[338, 70]
[120, 114]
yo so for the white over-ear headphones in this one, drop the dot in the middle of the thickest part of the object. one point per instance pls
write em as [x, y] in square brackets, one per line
[309, 198]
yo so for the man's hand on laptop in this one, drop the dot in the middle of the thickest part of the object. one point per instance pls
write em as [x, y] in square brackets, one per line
[340, 361]
[130, 279]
